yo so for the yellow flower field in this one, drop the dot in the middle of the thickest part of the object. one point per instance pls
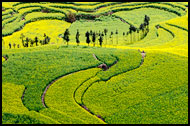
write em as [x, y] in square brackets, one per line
[51, 28]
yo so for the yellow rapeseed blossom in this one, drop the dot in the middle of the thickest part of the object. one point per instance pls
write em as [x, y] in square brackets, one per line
[51, 28]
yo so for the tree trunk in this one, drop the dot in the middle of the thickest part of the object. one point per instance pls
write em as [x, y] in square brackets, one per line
[106, 40]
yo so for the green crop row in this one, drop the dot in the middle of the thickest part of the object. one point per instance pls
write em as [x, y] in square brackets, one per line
[126, 61]
[179, 39]
[166, 108]
[13, 110]
[98, 25]
[156, 16]
[127, 6]
[107, 60]
[177, 26]
[37, 77]
[120, 99]
[84, 3]
[164, 36]
[12, 28]
[25, 11]
[175, 5]
[9, 118]
[55, 97]
[81, 89]
[6, 12]
[16, 23]
[61, 117]
[167, 30]
[6, 17]
[9, 20]
[39, 16]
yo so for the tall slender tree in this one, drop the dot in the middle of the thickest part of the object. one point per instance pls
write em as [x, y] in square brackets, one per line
[111, 36]
[36, 40]
[94, 38]
[105, 32]
[123, 35]
[47, 39]
[77, 37]
[22, 38]
[87, 38]
[116, 37]
[9, 45]
[31, 42]
[14, 45]
[138, 34]
[66, 36]
[141, 28]
[132, 29]
[27, 42]
[101, 40]
[146, 22]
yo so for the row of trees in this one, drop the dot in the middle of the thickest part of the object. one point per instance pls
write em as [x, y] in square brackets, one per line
[90, 36]
[28, 41]
[10, 45]
[93, 36]
[144, 28]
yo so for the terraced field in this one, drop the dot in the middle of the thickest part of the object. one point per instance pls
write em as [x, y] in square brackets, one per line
[135, 77]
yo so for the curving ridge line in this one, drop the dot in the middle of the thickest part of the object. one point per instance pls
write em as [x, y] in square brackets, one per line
[143, 54]
[43, 95]
[83, 106]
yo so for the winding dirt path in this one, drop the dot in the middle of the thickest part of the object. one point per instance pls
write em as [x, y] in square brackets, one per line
[82, 105]
[123, 20]
[143, 54]
[95, 57]
[44, 93]
[23, 94]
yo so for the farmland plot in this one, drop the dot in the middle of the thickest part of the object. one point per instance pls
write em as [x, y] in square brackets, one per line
[137, 75]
